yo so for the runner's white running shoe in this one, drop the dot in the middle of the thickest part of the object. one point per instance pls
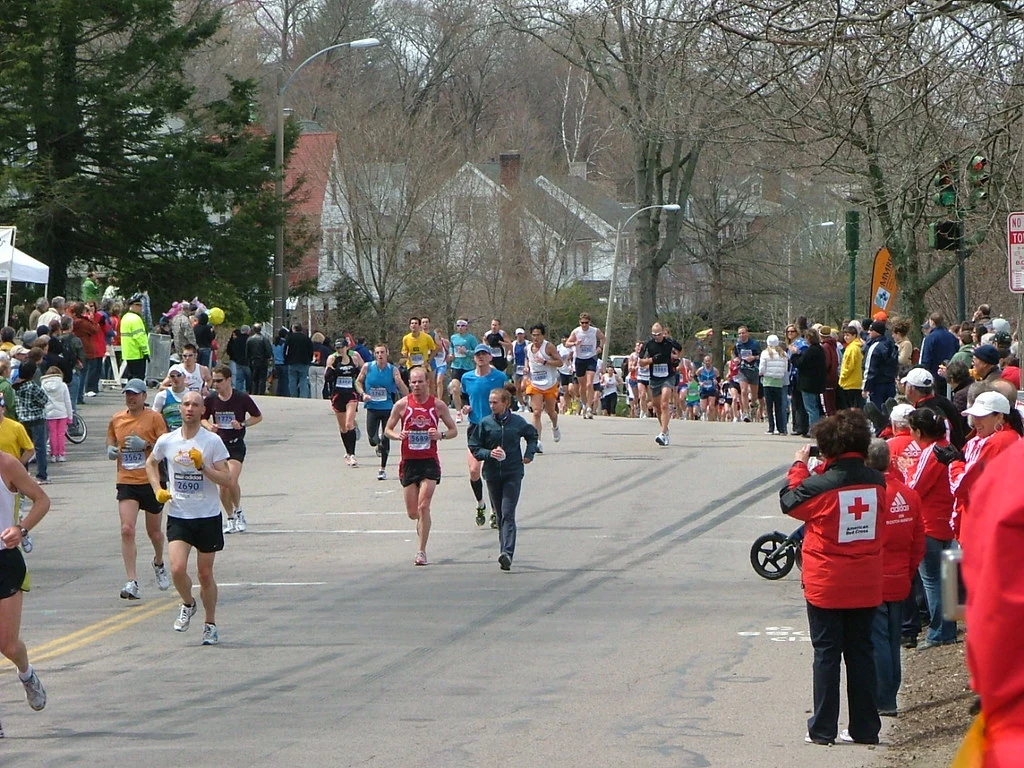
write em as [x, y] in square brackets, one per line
[34, 692]
[230, 525]
[130, 590]
[210, 634]
[185, 617]
[240, 522]
[556, 433]
[163, 580]
[382, 474]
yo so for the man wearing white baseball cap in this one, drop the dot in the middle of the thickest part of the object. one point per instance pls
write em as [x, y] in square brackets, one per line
[920, 385]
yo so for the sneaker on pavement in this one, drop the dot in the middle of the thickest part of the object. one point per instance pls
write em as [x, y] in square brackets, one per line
[230, 525]
[661, 439]
[130, 590]
[185, 615]
[34, 692]
[382, 474]
[163, 580]
[504, 561]
[210, 634]
[540, 447]
[556, 433]
[480, 510]
[353, 462]
[61, 459]
[494, 521]
[240, 522]
[421, 558]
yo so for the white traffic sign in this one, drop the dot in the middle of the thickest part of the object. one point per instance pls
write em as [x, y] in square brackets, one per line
[1015, 250]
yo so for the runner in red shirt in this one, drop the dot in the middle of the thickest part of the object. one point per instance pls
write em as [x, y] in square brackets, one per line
[420, 414]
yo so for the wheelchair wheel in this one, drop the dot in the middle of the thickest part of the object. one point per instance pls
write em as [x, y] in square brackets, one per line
[769, 559]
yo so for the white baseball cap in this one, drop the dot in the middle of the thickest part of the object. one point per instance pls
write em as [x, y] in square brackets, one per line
[918, 377]
[988, 403]
[901, 412]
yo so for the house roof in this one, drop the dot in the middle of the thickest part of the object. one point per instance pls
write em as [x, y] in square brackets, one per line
[594, 198]
[549, 211]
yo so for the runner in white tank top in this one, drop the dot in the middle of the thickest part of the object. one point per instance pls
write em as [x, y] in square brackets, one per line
[14, 479]
[543, 365]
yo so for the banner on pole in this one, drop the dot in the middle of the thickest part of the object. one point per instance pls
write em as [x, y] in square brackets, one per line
[883, 283]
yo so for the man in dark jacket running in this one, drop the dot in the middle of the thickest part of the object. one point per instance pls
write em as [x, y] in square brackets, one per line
[497, 443]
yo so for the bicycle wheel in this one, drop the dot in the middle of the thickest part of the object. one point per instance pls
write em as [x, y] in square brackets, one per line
[769, 559]
[77, 430]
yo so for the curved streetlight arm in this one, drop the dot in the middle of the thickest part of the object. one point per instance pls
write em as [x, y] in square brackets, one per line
[366, 42]
[279, 285]
[606, 351]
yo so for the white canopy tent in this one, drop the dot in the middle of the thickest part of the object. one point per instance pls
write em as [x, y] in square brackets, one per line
[19, 266]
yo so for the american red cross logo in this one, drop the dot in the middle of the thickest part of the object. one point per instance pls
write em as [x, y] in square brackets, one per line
[858, 508]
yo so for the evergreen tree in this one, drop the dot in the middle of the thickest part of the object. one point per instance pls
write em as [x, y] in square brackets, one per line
[106, 160]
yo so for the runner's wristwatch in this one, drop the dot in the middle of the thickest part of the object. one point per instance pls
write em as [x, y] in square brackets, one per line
[24, 531]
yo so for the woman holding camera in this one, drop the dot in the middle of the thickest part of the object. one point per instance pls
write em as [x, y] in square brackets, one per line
[841, 503]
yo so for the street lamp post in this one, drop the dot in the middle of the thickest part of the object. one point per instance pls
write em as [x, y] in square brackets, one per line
[615, 271]
[789, 264]
[279, 285]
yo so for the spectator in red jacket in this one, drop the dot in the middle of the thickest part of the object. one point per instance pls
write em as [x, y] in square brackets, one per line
[902, 550]
[903, 451]
[993, 433]
[995, 606]
[930, 479]
[842, 504]
[830, 345]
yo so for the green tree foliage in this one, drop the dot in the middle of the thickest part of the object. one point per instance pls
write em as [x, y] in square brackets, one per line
[106, 159]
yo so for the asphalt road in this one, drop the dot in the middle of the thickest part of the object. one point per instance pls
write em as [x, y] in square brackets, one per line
[631, 630]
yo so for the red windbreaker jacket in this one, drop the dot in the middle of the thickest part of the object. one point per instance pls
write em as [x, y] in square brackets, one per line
[930, 478]
[842, 505]
[903, 541]
[995, 605]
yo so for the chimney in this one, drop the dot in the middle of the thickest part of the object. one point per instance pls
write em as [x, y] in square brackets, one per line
[509, 174]
[578, 169]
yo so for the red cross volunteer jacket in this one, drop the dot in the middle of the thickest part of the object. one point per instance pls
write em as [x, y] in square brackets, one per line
[842, 505]
[995, 605]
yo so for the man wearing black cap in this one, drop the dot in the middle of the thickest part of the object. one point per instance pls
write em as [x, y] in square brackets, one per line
[985, 361]
[134, 340]
[881, 364]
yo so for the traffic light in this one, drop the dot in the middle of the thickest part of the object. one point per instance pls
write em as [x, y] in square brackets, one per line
[944, 235]
[944, 182]
[978, 175]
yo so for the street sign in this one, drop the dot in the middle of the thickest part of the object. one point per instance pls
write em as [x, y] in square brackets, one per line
[1015, 250]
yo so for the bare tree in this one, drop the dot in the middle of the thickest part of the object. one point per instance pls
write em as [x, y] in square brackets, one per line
[677, 82]
[889, 97]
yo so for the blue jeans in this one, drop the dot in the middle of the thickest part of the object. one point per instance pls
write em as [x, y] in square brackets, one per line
[203, 355]
[504, 493]
[281, 380]
[775, 399]
[77, 388]
[38, 431]
[241, 377]
[812, 404]
[939, 630]
[885, 639]
[298, 379]
[93, 372]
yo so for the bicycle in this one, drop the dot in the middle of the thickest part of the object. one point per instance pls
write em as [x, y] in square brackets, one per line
[76, 430]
